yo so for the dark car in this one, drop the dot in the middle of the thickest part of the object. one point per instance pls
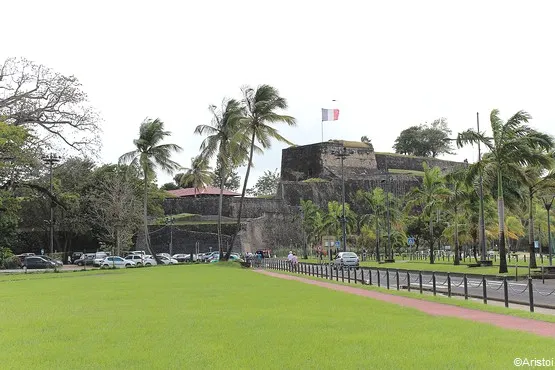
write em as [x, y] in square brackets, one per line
[38, 262]
[76, 255]
[57, 262]
[86, 259]
[22, 257]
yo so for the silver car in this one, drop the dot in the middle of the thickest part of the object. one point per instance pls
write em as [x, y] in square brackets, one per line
[346, 259]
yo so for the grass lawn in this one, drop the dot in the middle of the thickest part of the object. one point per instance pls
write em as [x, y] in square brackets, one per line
[209, 316]
[440, 266]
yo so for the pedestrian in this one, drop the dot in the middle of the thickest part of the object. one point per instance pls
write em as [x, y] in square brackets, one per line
[69, 260]
[294, 262]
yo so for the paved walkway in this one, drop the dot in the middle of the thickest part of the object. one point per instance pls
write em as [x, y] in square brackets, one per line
[438, 309]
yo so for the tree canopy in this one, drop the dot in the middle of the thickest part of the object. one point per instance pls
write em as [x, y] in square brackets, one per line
[425, 140]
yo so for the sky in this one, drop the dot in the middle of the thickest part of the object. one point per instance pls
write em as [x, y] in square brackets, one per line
[387, 64]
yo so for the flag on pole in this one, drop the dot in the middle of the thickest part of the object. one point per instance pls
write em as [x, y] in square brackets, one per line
[330, 114]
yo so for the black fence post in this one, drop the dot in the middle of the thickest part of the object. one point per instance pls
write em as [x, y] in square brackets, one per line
[336, 273]
[465, 281]
[506, 291]
[387, 277]
[420, 280]
[484, 289]
[397, 278]
[434, 282]
[531, 290]
[370, 276]
[362, 275]
[342, 275]
[355, 276]
[349, 275]
[449, 285]
[408, 280]
[378, 275]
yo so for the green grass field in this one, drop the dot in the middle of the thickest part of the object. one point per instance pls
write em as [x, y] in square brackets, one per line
[441, 266]
[210, 316]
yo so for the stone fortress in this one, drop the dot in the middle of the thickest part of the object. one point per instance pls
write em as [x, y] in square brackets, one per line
[307, 172]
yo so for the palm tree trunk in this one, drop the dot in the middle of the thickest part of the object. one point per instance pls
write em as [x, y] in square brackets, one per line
[220, 207]
[501, 216]
[238, 225]
[431, 239]
[145, 215]
[533, 263]
[456, 239]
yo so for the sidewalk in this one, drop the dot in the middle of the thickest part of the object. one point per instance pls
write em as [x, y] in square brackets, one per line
[438, 309]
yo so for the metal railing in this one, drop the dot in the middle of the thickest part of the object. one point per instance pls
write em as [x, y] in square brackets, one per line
[449, 284]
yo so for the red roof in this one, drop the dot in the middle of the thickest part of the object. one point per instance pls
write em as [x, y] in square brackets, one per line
[209, 190]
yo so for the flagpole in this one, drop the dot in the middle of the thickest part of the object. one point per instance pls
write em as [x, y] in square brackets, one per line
[322, 130]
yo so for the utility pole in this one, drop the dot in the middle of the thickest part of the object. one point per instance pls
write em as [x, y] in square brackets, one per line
[548, 203]
[50, 160]
[342, 154]
[170, 221]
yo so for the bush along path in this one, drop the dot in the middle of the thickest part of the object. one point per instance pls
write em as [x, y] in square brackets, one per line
[438, 309]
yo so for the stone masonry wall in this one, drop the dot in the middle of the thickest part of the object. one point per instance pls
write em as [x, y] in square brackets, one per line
[396, 161]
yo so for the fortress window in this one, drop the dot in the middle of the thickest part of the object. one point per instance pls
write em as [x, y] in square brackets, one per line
[310, 172]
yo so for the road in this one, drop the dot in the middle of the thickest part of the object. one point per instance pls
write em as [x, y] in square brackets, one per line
[517, 291]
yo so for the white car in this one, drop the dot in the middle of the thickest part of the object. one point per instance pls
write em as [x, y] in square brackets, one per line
[99, 258]
[347, 259]
[137, 258]
[117, 262]
[168, 261]
[148, 260]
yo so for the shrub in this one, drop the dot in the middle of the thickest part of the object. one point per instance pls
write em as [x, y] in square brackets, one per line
[10, 263]
[315, 179]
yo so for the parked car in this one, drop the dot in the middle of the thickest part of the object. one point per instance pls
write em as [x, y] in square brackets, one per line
[136, 252]
[181, 257]
[137, 258]
[208, 257]
[231, 258]
[76, 255]
[38, 262]
[86, 259]
[168, 261]
[148, 260]
[57, 262]
[117, 262]
[163, 255]
[22, 257]
[346, 259]
[99, 258]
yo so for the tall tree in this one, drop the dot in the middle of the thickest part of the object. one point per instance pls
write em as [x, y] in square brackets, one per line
[425, 140]
[512, 144]
[227, 141]
[267, 184]
[534, 182]
[150, 154]
[48, 103]
[429, 197]
[262, 106]
[232, 181]
[198, 176]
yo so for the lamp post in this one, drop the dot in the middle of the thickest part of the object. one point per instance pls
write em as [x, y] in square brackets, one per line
[342, 154]
[170, 220]
[388, 253]
[547, 204]
[50, 160]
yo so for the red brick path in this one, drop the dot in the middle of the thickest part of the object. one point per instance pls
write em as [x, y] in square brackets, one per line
[439, 309]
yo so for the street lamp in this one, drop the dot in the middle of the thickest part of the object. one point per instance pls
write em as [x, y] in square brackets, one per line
[50, 160]
[547, 204]
[170, 220]
[342, 154]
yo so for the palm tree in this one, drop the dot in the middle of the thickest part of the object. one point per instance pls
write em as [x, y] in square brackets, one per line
[429, 197]
[513, 144]
[261, 105]
[311, 223]
[375, 203]
[332, 219]
[227, 142]
[455, 200]
[149, 156]
[534, 182]
[198, 176]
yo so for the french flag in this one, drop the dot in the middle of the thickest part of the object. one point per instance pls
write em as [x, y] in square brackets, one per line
[330, 114]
